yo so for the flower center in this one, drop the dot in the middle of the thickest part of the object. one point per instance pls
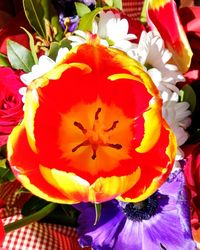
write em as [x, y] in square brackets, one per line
[9, 102]
[143, 210]
[97, 136]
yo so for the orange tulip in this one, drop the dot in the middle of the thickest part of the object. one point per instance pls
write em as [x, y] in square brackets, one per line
[92, 131]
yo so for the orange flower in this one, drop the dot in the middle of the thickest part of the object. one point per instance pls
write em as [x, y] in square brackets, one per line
[92, 131]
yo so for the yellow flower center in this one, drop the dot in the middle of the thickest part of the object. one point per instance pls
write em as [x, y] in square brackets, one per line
[92, 136]
[97, 136]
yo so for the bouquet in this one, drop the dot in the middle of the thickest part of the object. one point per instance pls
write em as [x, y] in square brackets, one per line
[99, 123]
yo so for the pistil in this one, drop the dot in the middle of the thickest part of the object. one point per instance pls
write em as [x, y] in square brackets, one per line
[96, 137]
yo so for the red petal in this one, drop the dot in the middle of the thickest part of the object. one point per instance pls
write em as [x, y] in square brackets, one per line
[163, 15]
[25, 163]
[153, 172]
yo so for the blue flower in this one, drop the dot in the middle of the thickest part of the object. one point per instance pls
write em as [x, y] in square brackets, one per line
[160, 222]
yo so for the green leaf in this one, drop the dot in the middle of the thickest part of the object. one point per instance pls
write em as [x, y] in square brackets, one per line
[187, 94]
[63, 215]
[4, 60]
[55, 46]
[33, 205]
[3, 163]
[32, 45]
[86, 21]
[114, 3]
[65, 43]
[56, 26]
[19, 56]
[53, 50]
[45, 6]
[117, 4]
[97, 212]
[35, 14]
[143, 17]
[5, 172]
[82, 9]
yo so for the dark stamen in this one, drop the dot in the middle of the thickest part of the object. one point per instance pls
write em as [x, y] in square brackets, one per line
[80, 126]
[142, 210]
[97, 114]
[94, 155]
[85, 143]
[116, 146]
[114, 125]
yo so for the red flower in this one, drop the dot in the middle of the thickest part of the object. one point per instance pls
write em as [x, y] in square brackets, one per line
[11, 112]
[2, 233]
[92, 131]
[192, 175]
[13, 32]
[190, 17]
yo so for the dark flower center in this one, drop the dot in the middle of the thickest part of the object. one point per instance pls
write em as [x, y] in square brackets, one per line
[98, 136]
[143, 210]
[9, 102]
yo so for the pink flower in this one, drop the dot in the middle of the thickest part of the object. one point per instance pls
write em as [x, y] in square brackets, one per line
[11, 112]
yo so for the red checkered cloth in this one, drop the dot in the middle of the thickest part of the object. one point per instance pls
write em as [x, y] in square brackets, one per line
[133, 8]
[35, 236]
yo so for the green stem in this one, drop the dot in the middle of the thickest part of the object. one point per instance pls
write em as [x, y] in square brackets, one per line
[31, 218]
[97, 212]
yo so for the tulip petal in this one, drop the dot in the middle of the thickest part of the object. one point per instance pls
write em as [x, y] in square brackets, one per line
[78, 189]
[26, 170]
[158, 154]
[152, 127]
[163, 17]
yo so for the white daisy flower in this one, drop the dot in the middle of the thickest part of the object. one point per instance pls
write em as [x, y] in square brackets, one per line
[177, 115]
[152, 53]
[112, 30]
[78, 38]
[45, 64]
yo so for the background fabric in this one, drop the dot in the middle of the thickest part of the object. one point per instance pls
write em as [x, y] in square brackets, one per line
[35, 236]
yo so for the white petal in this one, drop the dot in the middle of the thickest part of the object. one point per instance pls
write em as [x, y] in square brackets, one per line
[80, 33]
[62, 52]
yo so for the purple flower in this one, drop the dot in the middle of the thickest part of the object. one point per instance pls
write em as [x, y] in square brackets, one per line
[160, 222]
[68, 17]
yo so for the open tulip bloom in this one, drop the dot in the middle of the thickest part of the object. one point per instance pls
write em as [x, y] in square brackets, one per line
[92, 127]
[103, 124]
